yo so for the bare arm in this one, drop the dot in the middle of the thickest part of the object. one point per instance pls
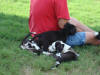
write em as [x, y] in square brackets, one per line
[61, 23]
[79, 26]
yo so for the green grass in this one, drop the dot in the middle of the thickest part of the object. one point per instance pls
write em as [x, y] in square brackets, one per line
[14, 16]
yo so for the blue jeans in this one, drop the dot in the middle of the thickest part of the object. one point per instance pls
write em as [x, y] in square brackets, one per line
[77, 39]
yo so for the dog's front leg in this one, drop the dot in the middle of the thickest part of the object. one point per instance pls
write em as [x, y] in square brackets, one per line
[47, 53]
[56, 65]
[57, 56]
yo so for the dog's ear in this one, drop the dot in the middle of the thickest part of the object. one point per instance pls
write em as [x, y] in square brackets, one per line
[57, 43]
[59, 47]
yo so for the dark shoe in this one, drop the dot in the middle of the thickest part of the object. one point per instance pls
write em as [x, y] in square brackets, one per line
[98, 36]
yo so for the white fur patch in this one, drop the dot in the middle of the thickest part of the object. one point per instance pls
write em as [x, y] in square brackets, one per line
[35, 45]
[66, 48]
[46, 53]
[57, 62]
[52, 47]
[58, 54]
[22, 47]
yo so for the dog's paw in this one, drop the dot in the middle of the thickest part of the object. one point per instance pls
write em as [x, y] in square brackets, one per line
[53, 68]
[56, 65]
[46, 53]
[22, 47]
[58, 55]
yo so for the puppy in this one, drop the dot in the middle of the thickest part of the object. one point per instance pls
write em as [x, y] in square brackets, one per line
[62, 53]
[45, 39]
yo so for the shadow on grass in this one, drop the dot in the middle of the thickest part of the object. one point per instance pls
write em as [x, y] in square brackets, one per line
[13, 27]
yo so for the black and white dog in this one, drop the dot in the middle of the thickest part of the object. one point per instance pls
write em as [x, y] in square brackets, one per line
[62, 53]
[59, 50]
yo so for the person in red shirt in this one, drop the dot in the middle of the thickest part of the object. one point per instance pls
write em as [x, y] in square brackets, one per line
[47, 15]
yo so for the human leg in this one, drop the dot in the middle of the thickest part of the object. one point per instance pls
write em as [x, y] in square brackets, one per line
[80, 27]
[90, 34]
[81, 38]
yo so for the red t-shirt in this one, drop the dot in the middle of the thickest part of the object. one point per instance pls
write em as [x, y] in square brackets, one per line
[44, 14]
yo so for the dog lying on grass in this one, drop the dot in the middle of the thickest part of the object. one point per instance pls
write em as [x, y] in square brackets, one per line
[59, 50]
[62, 53]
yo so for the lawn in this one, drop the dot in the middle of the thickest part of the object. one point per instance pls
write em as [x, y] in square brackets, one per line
[14, 16]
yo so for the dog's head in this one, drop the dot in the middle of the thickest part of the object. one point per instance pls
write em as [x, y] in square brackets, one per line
[69, 29]
[30, 45]
[56, 46]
